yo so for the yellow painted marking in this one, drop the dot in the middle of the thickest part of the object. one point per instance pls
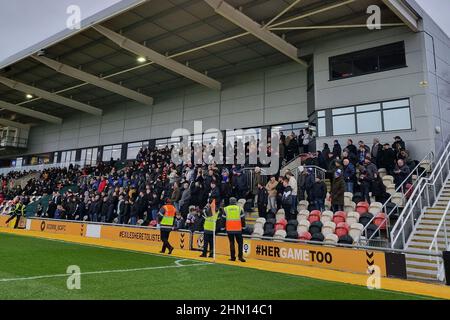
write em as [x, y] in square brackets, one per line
[406, 286]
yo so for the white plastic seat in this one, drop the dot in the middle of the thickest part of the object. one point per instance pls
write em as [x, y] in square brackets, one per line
[397, 198]
[261, 221]
[382, 172]
[355, 231]
[302, 215]
[302, 205]
[280, 234]
[280, 215]
[258, 232]
[388, 180]
[303, 226]
[352, 217]
[331, 238]
[328, 227]
[390, 189]
[349, 207]
[326, 216]
[375, 207]
[348, 196]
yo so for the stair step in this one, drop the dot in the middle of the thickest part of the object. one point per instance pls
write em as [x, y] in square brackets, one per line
[422, 272]
[420, 258]
[427, 241]
[421, 266]
[421, 276]
[431, 233]
[424, 246]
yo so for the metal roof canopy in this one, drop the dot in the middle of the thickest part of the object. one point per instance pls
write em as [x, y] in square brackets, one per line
[192, 38]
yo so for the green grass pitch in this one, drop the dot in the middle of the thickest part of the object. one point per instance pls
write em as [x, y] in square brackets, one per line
[33, 268]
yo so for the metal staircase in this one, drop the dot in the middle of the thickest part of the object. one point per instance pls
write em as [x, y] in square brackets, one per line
[431, 233]
[423, 225]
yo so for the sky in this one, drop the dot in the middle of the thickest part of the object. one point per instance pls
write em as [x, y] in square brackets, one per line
[439, 10]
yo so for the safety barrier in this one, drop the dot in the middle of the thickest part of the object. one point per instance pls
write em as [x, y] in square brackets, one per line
[348, 258]
[390, 212]
[357, 260]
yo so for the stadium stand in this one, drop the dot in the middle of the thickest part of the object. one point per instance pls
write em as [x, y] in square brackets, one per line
[132, 193]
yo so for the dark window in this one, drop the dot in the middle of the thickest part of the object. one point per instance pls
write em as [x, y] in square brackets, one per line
[367, 61]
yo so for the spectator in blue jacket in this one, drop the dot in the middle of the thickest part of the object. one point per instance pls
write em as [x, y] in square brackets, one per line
[349, 175]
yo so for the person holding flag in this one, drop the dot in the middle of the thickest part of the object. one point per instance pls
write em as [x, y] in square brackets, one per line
[17, 212]
[209, 229]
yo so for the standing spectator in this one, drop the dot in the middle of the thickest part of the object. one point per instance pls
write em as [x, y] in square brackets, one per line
[349, 175]
[376, 151]
[351, 147]
[120, 209]
[185, 199]
[262, 200]
[337, 191]
[387, 158]
[318, 194]
[398, 145]
[337, 149]
[309, 181]
[371, 168]
[179, 221]
[293, 185]
[364, 184]
[271, 188]
[286, 199]
[306, 140]
[301, 189]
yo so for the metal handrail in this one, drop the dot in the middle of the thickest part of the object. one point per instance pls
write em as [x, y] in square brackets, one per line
[441, 223]
[435, 244]
[420, 195]
[428, 159]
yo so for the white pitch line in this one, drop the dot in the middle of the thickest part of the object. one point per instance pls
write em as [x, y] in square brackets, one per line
[177, 265]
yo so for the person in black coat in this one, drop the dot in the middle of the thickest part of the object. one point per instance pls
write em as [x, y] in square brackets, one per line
[337, 149]
[134, 211]
[318, 194]
[263, 199]
[351, 147]
[104, 209]
[387, 158]
[379, 189]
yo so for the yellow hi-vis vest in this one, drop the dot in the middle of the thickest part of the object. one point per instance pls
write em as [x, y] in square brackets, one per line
[19, 209]
[233, 216]
[169, 215]
[210, 222]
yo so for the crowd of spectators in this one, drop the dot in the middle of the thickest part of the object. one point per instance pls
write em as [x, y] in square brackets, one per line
[134, 194]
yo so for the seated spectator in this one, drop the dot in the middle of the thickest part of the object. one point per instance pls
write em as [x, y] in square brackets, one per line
[401, 172]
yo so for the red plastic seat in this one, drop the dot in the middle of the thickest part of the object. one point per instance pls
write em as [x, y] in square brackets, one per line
[380, 220]
[362, 207]
[315, 213]
[342, 229]
[339, 216]
[280, 226]
[314, 216]
[283, 222]
[304, 236]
